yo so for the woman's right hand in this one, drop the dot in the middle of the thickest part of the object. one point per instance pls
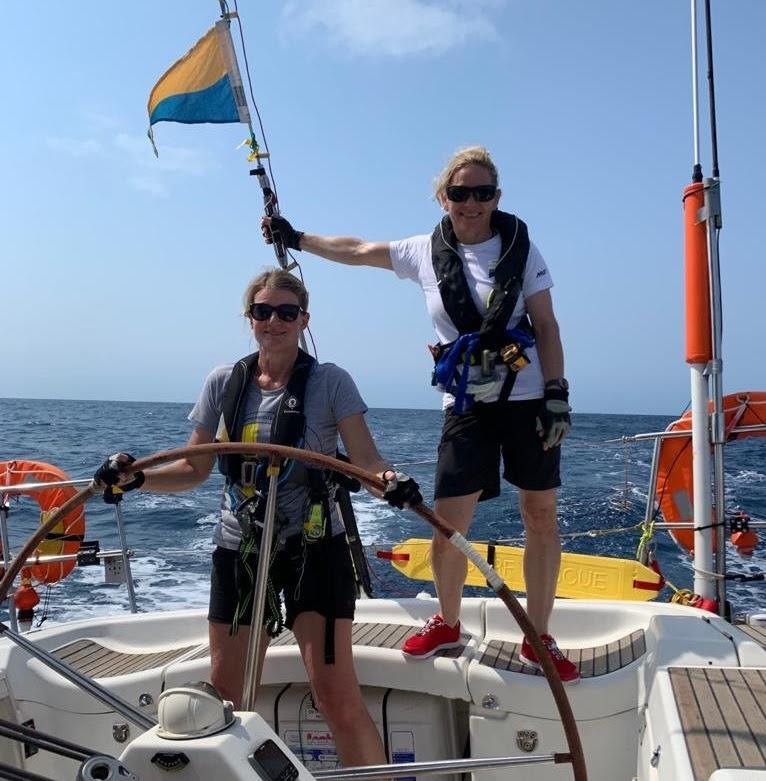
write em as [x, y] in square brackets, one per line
[111, 473]
[278, 226]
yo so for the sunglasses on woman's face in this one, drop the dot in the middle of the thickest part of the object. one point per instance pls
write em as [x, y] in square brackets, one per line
[460, 193]
[287, 312]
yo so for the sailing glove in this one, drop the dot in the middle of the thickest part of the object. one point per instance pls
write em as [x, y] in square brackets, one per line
[280, 228]
[401, 490]
[553, 422]
[110, 473]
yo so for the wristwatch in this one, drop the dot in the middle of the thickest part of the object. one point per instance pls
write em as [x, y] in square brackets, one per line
[559, 382]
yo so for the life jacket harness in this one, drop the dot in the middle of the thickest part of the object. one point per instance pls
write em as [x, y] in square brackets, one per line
[483, 340]
[288, 428]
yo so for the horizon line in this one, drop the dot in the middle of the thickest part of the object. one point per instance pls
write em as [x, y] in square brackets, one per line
[414, 409]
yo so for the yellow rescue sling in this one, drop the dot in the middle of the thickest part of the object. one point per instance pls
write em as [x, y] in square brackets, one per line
[580, 577]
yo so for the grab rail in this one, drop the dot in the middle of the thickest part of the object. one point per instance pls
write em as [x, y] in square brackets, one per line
[406, 769]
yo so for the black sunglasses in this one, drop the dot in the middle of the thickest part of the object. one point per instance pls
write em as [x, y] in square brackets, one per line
[287, 312]
[482, 192]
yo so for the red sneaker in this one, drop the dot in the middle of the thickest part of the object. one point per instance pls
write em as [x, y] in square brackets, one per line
[434, 636]
[567, 671]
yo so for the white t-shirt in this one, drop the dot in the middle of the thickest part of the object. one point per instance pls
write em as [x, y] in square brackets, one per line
[411, 259]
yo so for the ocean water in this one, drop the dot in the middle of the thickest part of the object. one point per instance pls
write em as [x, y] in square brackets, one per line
[604, 490]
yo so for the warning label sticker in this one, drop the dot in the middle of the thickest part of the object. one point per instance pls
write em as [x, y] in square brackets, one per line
[315, 748]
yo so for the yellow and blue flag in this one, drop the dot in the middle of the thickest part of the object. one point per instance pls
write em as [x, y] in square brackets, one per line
[203, 86]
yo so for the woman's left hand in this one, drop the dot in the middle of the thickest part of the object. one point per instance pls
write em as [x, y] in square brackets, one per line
[401, 490]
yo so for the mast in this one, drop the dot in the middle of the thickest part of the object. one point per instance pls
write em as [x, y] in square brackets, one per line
[702, 208]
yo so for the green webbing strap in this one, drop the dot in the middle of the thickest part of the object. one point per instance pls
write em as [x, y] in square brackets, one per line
[645, 542]
[273, 620]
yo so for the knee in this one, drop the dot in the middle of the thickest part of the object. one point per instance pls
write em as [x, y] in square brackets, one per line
[342, 713]
[540, 517]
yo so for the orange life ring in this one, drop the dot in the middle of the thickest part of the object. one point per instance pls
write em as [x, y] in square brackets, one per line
[67, 534]
[675, 492]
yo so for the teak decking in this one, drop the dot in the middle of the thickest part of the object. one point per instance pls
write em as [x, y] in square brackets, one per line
[592, 662]
[90, 657]
[723, 717]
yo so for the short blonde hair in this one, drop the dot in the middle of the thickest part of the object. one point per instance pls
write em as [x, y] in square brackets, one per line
[276, 279]
[469, 155]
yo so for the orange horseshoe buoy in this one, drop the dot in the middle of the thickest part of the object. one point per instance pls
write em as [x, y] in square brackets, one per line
[67, 535]
[674, 490]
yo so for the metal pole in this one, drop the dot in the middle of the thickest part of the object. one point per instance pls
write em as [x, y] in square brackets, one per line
[253, 658]
[718, 421]
[756, 427]
[447, 766]
[651, 504]
[703, 539]
[13, 731]
[63, 669]
[55, 558]
[652, 487]
[697, 173]
[27, 488]
[671, 525]
[7, 557]
[711, 91]
[125, 557]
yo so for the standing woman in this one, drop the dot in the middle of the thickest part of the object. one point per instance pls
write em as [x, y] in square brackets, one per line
[501, 365]
[260, 399]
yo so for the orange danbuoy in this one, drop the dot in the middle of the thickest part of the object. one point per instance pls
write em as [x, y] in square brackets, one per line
[25, 598]
[67, 535]
[699, 335]
[674, 490]
[744, 542]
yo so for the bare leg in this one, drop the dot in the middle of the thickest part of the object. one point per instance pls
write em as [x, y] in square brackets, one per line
[542, 554]
[336, 691]
[449, 564]
[227, 660]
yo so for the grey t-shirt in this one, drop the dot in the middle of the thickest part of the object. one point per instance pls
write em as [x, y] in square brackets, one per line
[331, 395]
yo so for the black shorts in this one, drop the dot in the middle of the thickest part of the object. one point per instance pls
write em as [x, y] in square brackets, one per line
[324, 582]
[472, 443]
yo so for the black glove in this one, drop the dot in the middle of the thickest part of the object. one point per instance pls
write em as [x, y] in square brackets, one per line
[553, 422]
[281, 229]
[401, 490]
[111, 472]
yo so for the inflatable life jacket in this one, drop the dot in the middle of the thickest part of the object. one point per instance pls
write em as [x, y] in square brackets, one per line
[288, 428]
[484, 340]
[67, 535]
[675, 480]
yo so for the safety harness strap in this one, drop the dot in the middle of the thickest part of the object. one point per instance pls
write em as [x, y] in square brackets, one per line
[289, 423]
[507, 278]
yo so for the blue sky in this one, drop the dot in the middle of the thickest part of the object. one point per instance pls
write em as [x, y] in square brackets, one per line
[122, 273]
